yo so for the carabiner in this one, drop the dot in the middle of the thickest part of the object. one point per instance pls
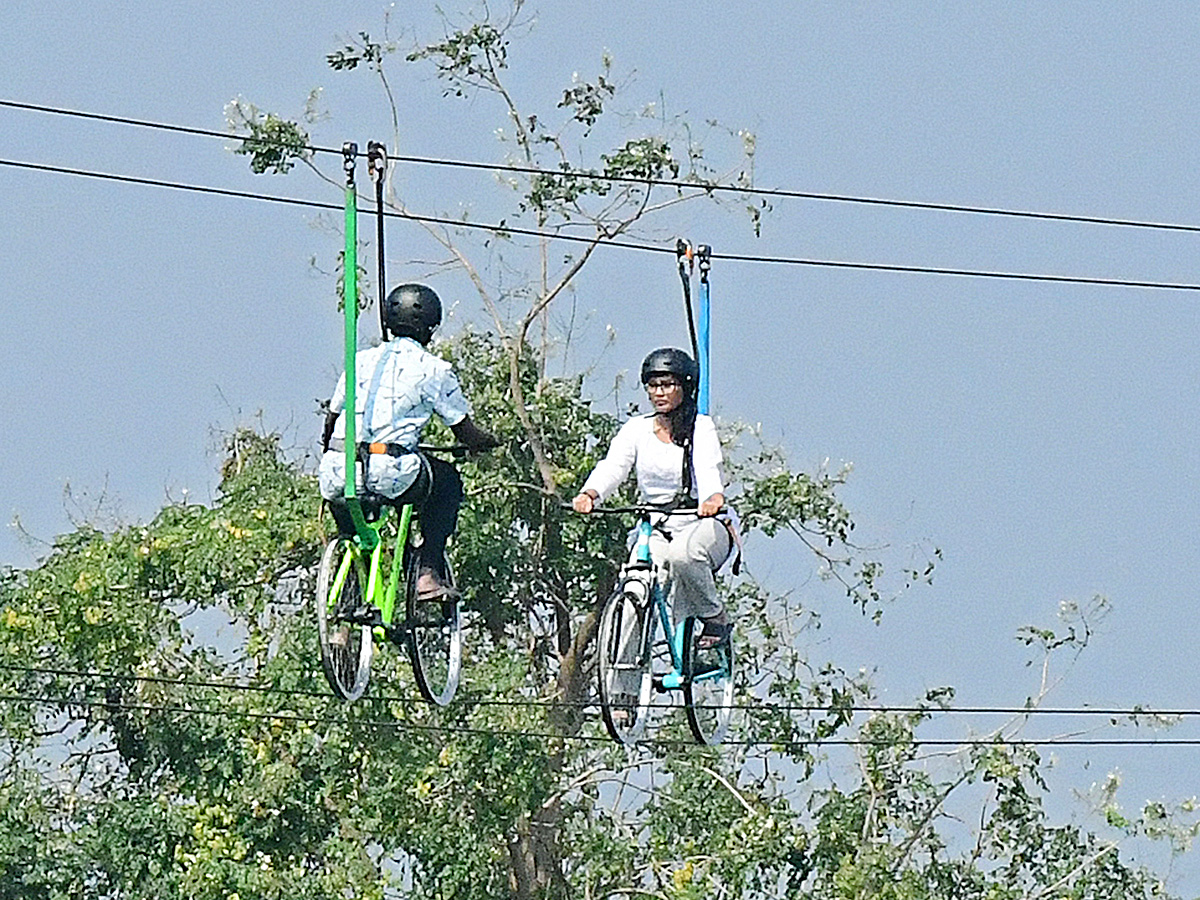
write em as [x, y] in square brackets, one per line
[376, 161]
[683, 251]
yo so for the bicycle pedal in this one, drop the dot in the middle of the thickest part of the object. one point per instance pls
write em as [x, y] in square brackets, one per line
[366, 614]
[659, 687]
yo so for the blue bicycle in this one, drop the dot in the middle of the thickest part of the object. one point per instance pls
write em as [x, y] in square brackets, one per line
[634, 661]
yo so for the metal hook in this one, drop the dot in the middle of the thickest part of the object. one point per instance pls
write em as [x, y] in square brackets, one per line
[376, 160]
[683, 250]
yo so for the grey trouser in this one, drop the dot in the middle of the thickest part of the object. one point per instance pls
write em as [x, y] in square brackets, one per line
[687, 563]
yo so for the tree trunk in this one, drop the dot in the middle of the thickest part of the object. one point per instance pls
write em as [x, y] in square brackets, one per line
[535, 856]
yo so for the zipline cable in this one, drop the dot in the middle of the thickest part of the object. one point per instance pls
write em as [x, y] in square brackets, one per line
[602, 240]
[762, 259]
[702, 187]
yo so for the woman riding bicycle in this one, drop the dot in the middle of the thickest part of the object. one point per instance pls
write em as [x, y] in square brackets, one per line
[677, 457]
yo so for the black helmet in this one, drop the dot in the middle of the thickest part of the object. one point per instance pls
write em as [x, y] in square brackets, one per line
[670, 361]
[413, 310]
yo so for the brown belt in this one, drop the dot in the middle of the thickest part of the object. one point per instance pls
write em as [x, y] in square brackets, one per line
[375, 447]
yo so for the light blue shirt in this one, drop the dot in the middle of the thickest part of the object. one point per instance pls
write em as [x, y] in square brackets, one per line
[399, 386]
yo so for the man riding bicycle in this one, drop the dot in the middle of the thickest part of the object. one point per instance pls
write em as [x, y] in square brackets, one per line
[399, 386]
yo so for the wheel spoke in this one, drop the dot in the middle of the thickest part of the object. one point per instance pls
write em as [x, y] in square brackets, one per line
[434, 631]
[624, 670]
[708, 684]
[345, 647]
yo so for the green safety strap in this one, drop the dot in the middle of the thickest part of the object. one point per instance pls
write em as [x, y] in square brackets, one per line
[366, 534]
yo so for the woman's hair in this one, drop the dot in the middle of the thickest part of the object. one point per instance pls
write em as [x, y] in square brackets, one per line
[683, 427]
[683, 421]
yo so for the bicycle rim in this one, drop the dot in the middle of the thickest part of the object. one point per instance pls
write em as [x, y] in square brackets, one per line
[624, 670]
[707, 685]
[434, 639]
[345, 647]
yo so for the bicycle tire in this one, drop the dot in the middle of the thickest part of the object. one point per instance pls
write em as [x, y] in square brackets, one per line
[707, 684]
[346, 647]
[434, 629]
[625, 679]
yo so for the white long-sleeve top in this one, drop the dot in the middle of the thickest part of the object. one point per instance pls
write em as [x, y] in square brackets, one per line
[659, 465]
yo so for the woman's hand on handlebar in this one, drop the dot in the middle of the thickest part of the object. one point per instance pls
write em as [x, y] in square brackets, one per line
[711, 506]
[583, 502]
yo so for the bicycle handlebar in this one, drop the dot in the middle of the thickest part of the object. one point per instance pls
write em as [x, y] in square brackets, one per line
[457, 450]
[641, 509]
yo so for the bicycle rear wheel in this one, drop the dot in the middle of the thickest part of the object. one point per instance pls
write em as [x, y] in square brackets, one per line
[345, 646]
[434, 637]
[624, 670]
[707, 684]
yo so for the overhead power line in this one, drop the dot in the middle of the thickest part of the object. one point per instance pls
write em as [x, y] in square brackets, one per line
[503, 229]
[225, 712]
[681, 184]
[144, 123]
[764, 706]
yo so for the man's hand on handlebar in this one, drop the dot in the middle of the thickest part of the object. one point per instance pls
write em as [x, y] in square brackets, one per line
[475, 438]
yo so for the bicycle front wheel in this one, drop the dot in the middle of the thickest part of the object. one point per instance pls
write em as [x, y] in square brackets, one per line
[345, 646]
[624, 670]
[707, 684]
[434, 637]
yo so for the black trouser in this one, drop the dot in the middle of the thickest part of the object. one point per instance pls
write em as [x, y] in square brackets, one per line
[436, 495]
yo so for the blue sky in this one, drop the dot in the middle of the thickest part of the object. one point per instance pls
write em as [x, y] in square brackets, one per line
[1042, 435]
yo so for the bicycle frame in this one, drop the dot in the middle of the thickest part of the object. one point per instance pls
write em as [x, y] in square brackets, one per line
[383, 598]
[673, 680]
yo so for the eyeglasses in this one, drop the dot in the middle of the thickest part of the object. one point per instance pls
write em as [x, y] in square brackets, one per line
[661, 386]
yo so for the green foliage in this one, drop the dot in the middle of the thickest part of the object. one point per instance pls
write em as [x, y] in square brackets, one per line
[475, 52]
[274, 144]
[774, 499]
[587, 100]
[273, 790]
[648, 157]
[148, 759]
[548, 190]
[362, 51]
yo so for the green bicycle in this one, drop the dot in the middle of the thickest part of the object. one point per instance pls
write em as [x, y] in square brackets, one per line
[355, 602]
[356, 605]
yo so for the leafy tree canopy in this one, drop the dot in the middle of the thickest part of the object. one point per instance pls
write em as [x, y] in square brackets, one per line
[144, 761]
[167, 733]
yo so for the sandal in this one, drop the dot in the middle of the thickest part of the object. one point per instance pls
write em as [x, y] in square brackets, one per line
[431, 587]
[714, 634]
